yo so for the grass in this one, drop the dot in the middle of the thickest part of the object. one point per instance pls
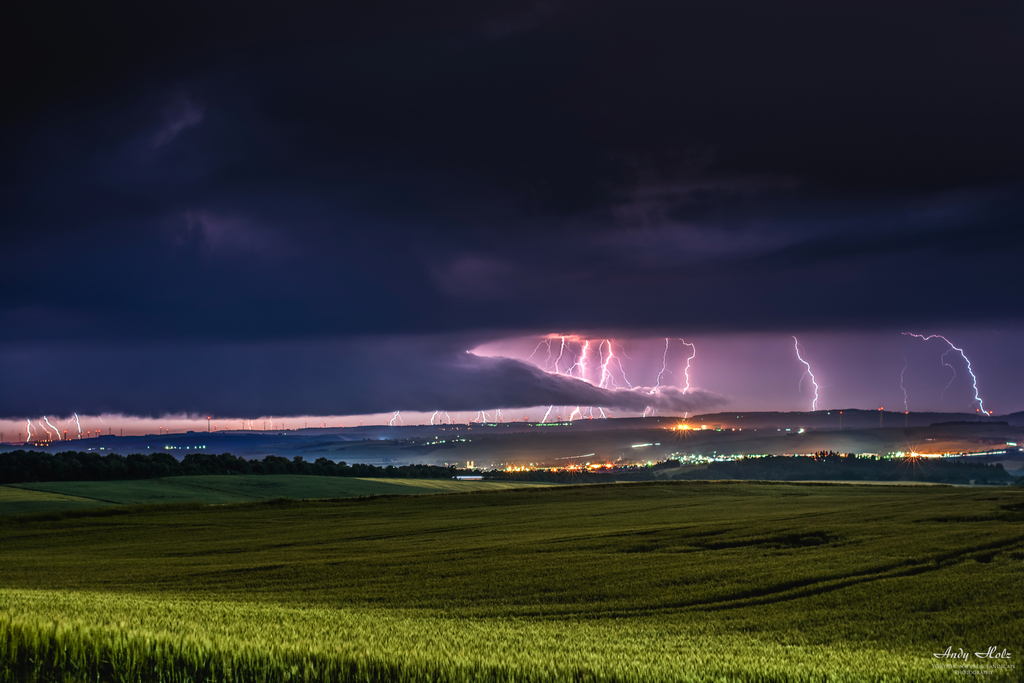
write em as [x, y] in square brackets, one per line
[639, 582]
[18, 501]
[219, 489]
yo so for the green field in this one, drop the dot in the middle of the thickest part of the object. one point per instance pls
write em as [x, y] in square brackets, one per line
[16, 499]
[687, 581]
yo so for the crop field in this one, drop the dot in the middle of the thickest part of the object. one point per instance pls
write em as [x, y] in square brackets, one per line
[218, 489]
[15, 500]
[667, 581]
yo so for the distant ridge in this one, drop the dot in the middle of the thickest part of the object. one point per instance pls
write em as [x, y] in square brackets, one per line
[849, 418]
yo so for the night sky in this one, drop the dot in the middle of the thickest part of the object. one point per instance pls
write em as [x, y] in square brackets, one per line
[317, 209]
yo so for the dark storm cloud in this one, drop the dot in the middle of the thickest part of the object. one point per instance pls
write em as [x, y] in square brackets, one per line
[226, 174]
[298, 378]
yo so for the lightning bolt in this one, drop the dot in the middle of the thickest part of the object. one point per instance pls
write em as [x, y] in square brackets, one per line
[606, 376]
[664, 366]
[28, 424]
[581, 362]
[970, 370]
[623, 370]
[657, 380]
[433, 416]
[40, 423]
[686, 371]
[542, 342]
[905, 364]
[396, 416]
[599, 371]
[814, 403]
[561, 352]
[52, 427]
[448, 416]
[951, 379]
[582, 365]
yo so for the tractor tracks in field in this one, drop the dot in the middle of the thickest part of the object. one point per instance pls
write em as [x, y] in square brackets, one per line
[802, 588]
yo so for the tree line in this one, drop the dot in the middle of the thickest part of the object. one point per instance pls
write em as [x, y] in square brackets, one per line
[33, 466]
[21, 466]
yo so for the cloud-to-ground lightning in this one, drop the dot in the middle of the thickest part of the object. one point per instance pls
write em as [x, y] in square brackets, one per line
[905, 364]
[28, 425]
[581, 362]
[599, 362]
[72, 419]
[582, 366]
[814, 403]
[664, 368]
[952, 379]
[622, 370]
[970, 370]
[396, 416]
[432, 417]
[606, 358]
[52, 427]
[657, 380]
[686, 370]
[561, 351]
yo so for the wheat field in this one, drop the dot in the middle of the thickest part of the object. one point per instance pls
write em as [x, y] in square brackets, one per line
[639, 582]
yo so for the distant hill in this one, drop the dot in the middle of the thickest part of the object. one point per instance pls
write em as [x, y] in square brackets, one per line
[839, 468]
[846, 418]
